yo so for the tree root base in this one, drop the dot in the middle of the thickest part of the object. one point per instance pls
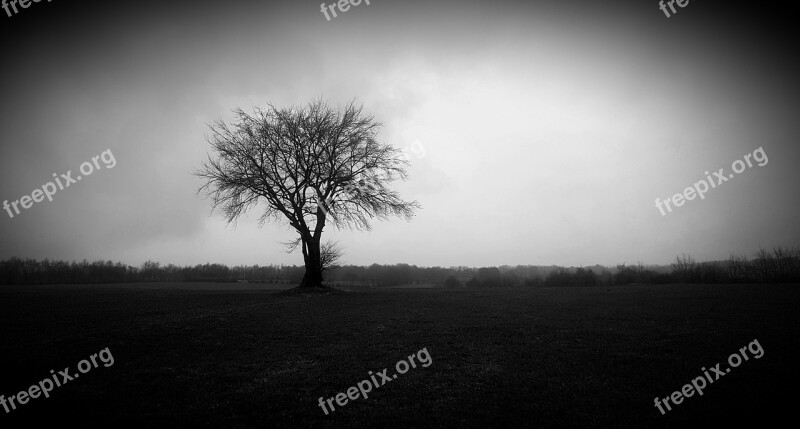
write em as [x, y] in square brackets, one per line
[311, 290]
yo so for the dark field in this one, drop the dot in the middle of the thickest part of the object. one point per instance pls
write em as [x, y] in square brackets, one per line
[546, 357]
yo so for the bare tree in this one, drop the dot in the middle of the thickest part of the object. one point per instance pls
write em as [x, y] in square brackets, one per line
[685, 267]
[641, 273]
[308, 166]
[737, 268]
[330, 254]
[763, 264]
[795, 264]
[782, 263]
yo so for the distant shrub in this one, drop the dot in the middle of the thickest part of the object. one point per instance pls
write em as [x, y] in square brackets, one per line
[452, 282]
[473, 282]
[533, 281]
[638, 274]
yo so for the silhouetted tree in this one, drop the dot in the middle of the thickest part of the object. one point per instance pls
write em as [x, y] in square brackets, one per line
[685, 268]
[309, 166]
[737, 268]
[764, 265]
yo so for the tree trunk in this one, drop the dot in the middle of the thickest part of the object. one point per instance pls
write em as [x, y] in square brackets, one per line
[311, 254]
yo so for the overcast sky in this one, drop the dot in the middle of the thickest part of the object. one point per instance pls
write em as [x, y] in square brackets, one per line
[549, 128]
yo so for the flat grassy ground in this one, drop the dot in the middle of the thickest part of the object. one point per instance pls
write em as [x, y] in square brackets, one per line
[546, 357]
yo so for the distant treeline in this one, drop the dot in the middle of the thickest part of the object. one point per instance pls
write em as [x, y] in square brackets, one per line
[779, 265]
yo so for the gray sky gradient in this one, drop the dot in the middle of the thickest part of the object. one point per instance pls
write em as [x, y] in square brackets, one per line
[549, 127]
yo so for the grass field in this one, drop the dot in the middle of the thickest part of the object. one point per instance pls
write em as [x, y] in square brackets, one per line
[244, 356]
